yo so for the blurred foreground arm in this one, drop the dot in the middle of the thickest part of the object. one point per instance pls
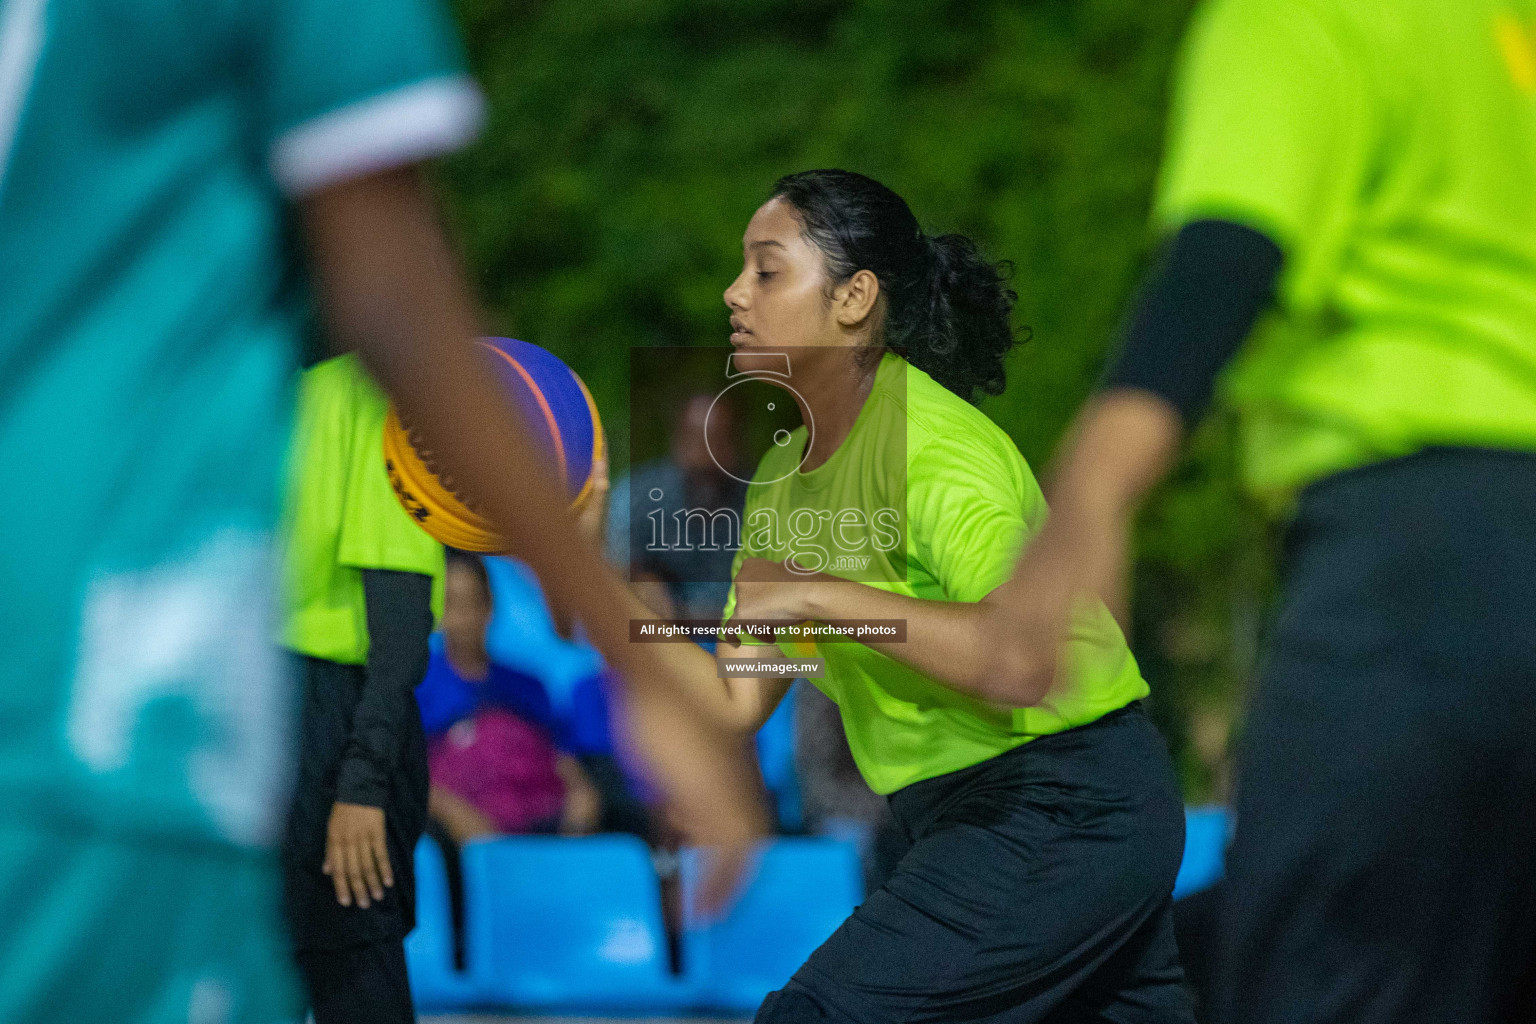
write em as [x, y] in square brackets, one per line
[740, 705]
[1193, 314]
[390, 287]
[1123, 442]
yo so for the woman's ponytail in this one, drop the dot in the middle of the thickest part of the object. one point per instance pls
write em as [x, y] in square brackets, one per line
[960, 328]
[948, 309]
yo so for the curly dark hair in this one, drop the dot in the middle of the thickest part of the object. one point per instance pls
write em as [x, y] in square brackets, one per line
[948, 309]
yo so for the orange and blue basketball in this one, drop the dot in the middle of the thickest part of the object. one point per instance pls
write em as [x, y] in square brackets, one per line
[559, 413]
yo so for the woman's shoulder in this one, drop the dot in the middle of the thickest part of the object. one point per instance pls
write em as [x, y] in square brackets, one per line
[935, 413]
[955, 450]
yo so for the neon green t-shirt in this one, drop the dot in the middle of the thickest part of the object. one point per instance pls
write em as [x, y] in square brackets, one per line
[342, 516]
[925, 497]
[1389, 148]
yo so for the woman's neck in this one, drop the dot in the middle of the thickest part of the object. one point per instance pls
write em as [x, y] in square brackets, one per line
[832, 400]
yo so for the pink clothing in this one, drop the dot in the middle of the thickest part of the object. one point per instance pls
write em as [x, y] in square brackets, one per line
[504, 766]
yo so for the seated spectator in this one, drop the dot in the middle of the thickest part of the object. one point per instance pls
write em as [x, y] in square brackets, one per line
[493, 741]
[576, 685]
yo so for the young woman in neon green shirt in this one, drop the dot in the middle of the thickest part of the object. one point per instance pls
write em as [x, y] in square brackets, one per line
[1044, 840]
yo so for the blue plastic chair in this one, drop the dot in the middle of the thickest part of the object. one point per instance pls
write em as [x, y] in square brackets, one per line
[568, 923]
[800, 892]
[1205, 849]
[435, 983]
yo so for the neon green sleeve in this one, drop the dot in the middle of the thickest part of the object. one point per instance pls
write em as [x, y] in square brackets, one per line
[971, 505]
[730, 599]
[376, 532]
[1274, 125]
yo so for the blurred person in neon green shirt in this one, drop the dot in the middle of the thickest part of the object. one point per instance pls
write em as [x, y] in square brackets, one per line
[1349, 207]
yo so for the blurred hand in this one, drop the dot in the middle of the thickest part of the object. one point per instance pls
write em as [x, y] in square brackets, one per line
[356, 856]
[462, 819]
[710, 780]
[582, 811]
[724, 871]
[727, 834]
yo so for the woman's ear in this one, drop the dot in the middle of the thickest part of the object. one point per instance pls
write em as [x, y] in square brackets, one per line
[854, 300]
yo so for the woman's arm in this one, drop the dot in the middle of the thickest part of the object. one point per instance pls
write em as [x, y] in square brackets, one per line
[945, 640]
[754, 698]
[740, 704]
[389, 286]
[398, 613]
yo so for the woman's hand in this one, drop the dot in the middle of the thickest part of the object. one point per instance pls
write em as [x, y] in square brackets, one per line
[1121, 445]
[356, 855]
[768, 591]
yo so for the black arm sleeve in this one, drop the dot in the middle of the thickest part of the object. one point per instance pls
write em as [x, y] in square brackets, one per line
[399, 623]
[1194, 311]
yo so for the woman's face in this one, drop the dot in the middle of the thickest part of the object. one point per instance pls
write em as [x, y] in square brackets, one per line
[781, 300]
[466, 613]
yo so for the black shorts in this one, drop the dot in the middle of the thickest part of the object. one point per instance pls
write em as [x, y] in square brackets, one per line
[1035, 887]
[1385, 851]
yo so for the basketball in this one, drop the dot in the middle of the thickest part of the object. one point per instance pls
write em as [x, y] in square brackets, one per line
[558, 411]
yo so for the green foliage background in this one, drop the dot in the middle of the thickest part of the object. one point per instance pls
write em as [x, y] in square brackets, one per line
[631, 140]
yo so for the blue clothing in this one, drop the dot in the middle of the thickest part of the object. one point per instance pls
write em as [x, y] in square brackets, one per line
[446, 697]
[579, 726]
[589, 721]
[522, 634]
